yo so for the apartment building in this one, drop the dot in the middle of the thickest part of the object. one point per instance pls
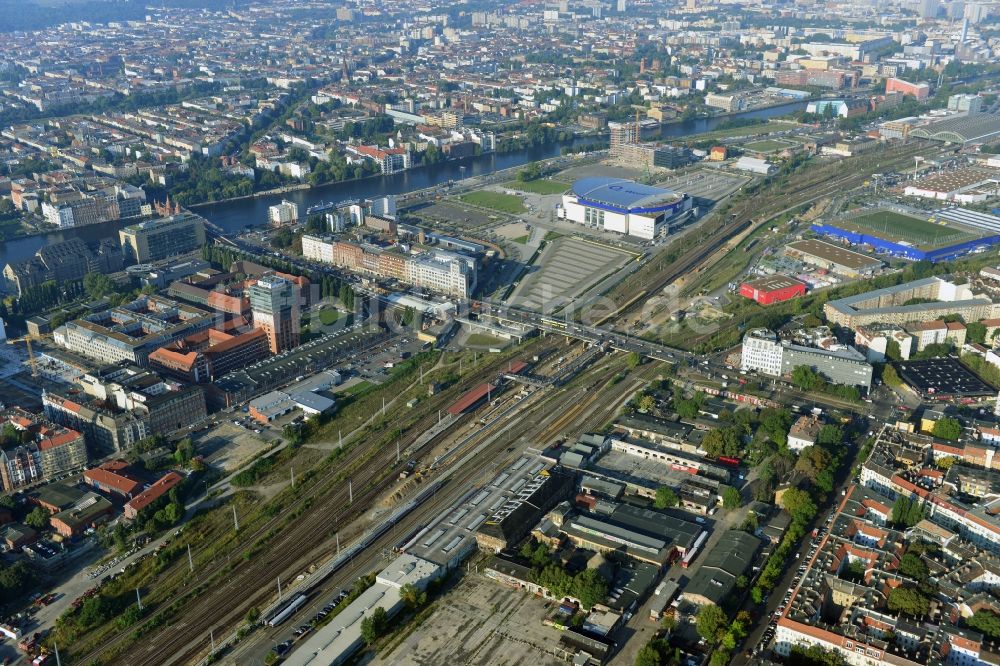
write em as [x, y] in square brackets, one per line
[438, 270]
[889, 305]
[45, 450]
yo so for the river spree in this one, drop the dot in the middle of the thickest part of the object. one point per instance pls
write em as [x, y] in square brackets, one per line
[233, 216]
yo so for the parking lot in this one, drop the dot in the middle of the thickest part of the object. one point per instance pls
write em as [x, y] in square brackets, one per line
[708, 184]
[454, 214]
[566, 269]
[480, 622]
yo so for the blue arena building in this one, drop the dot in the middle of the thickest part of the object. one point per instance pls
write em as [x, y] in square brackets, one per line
[623, 206]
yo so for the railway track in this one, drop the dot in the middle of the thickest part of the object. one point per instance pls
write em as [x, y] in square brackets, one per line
[292, 550]
[795, 195]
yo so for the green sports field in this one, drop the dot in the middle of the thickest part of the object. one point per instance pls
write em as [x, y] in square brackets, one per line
[897, 227]
[541, 186]
[505, 203]
[768, 145]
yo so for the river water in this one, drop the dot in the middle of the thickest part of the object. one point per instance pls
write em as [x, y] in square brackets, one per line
[233, 216]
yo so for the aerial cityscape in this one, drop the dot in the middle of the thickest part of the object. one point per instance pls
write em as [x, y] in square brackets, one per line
[500, 332]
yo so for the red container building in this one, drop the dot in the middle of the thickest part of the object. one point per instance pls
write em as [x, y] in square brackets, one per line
[772, 289]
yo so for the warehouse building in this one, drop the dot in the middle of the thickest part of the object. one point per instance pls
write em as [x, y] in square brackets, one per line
[335, 642]
[641, 534]
[961, 129]
[833, 258]
[772, 289]
[622, 206]
[730, 558]
[514, 518]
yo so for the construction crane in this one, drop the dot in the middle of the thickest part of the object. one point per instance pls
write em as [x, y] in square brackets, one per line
[31, 356]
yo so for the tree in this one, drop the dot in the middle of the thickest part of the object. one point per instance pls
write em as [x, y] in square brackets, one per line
[908, 600]
[806, 378]
[665, 497]
[633, 360]
[731, 498]
[647, 403]
[722, 442]
[184, 451]
[906, 512]
[814, 655]
[986, 621]
[7, 502]
[648, 656]
[799, 505]
[975, 332]
[98, 285]
[710, 622]
[412, 596]
[374, 625]
[911, 565]
[948, 428]
[589, 588]
[890, 376]
[38, 518]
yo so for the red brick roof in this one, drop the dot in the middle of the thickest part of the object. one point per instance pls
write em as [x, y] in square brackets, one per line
[154, 492]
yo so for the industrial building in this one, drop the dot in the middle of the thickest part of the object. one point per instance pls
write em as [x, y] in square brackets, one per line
[337, 641]
[644, 535]
[513, 518]
[452, 535]
[730, 558]
[961, 129]
[309, 395]
[622, 206]
[833, 258]
[943, 379]
[764, 352]
[772, 289]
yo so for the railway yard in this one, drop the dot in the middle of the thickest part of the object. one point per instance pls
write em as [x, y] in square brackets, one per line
[260, 568]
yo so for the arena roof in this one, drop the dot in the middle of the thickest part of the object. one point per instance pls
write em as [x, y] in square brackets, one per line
[623, 194]
[971, 128]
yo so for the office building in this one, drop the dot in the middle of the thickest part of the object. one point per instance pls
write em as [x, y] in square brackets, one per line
[918, 90]
[157, 239]
[965, 103]
[764, 352]
[116, 407]
[65, 261]
[130, 332]
[274, 302]
[209, 354]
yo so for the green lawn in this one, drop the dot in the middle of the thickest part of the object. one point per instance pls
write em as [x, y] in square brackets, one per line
[898, 227]
[751, 130]
[483, 340]
[505, 203]
[552, 235]
[766, 146]
[541, 186]
[523, 240]
[328, 316]
[361, 386]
